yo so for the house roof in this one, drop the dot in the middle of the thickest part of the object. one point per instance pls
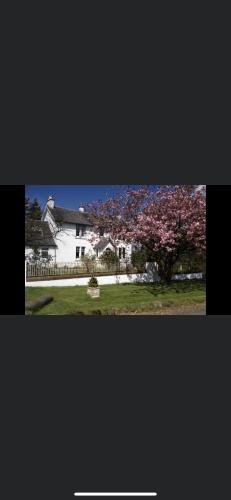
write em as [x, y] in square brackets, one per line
[70, 216]
[103, 243]
[38, 233]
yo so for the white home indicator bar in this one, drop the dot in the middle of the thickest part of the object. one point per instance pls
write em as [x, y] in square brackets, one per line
[125, 494]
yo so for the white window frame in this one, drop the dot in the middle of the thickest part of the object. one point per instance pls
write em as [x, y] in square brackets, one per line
[77, 258]
[82, 229]
[45, 249]
[122, 253]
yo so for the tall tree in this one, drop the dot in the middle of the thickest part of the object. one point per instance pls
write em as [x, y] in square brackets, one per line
[27, 208]
[168, 222]
[35, 212]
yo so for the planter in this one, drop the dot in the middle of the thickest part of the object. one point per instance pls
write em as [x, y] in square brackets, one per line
[93, 292]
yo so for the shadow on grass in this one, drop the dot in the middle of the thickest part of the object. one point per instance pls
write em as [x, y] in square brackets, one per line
[173, 287]
[96, 312]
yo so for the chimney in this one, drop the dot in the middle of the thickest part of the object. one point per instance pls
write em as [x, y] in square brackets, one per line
[50, 202]
[81, 208]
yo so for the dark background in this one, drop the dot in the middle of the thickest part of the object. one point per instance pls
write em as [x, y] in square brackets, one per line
[115, 403]
[122, 404]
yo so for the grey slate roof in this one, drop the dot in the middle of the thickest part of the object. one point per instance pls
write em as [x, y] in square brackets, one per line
[103, 243]
[70, 216]
[38, 233]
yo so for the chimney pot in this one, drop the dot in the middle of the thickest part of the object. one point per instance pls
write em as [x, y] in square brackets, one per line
[50, 202]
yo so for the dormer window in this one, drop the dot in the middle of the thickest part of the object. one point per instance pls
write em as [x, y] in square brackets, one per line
[80, 230]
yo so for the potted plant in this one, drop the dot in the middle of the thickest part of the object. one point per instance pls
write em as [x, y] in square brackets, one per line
[93, 287]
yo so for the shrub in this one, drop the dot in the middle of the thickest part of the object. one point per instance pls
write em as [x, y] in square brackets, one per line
[129, 268]
[109, 258]
[191, 262]
[89, 262]
[93, 282]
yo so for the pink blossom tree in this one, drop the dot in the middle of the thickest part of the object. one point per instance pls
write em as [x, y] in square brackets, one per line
[169, 221]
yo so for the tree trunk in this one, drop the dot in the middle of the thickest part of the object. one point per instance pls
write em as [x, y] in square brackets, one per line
[165, 269]
[165, 263]
[166, 275]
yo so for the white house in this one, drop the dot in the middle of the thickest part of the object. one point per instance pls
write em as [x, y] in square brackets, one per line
[67, 235]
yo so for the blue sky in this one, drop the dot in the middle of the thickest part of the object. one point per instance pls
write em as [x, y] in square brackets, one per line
[70, 196]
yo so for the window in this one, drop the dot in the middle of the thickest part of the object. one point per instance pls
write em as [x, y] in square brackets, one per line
[122, 253]
[80, 230]
[101, 231]
[44, 253]
[80, 251]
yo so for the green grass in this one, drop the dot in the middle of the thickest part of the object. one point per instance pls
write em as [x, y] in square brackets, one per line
[120, 298]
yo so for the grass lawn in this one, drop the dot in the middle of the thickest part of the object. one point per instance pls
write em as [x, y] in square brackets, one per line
[122, 298]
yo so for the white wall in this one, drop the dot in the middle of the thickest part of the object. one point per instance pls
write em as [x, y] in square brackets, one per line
[102, 280]
[192, 276]
[48, 217]
[67, 241]
[109, 280]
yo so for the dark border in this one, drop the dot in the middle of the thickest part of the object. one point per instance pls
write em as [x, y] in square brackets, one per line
[12, 249]
[218, 265]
